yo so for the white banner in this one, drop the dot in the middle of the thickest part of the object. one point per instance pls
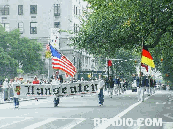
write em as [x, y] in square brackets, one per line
[45, 90]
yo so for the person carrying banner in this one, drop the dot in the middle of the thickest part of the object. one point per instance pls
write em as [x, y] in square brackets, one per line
[16, 92]
[55, 81]
[101, 85]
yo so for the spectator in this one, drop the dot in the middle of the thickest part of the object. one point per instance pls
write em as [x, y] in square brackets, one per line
[11, 89]
[36, 81]
[6, 88]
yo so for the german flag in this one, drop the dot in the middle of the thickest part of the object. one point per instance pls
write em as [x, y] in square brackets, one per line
[147, 58]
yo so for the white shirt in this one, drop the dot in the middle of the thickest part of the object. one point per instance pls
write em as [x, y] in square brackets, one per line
[55, 82]
[5, 84]
[15, 93]
[101, 84]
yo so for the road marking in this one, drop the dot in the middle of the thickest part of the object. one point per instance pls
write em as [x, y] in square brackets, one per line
[168, 125]
[160, 103]
[167, 115]
[73, 124]
[14, 122]
[109, 122]
[40, 123]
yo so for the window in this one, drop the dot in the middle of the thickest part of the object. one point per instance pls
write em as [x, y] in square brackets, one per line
[5, 10]
[6, 26]
[74, 28]
[79, 12]
[20, 26]
[56, 10]
[56, 24]
[33, 9]
[76, 10]
[33, 27]
[20, 9]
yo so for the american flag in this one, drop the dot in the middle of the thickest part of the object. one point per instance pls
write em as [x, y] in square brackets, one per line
[61, 62]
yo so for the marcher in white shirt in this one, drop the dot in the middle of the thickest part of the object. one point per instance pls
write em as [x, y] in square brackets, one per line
[16, 92]
[101, 85]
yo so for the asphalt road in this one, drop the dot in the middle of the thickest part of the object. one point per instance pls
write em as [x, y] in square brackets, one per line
[80, 112]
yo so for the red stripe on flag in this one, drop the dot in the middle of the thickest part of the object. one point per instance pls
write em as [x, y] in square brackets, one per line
[64, 65]
[63, 69]
[146, 54]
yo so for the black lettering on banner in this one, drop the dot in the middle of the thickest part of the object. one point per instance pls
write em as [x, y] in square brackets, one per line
[56, 91]
[28, 90]
[96, 86]
[80, 88]
[47, 89]
[85, 88]
[73, 89]
[64, 90]
[92, 85]
[32, 90]
[39, 90]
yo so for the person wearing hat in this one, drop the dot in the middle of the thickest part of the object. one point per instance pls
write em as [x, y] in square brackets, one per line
[6, 88]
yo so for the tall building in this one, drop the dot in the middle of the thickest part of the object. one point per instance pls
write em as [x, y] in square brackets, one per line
[42, 20]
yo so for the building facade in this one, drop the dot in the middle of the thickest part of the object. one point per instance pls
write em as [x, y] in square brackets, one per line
[36, 19]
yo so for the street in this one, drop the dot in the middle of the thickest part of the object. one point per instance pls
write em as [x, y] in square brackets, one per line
[76, 112]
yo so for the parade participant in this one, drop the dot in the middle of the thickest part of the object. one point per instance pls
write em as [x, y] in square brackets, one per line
[5, 89]
[147, 86]
[151, 85]
[111, 83]
[118, 84]
[16, 92]
[100, 95]
[55, 81]
[141, 88]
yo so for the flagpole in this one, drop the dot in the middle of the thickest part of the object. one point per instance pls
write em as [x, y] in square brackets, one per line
[140, 78]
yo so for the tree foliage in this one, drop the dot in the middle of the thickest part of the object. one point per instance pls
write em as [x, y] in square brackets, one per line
[16, 50]
[127, 24]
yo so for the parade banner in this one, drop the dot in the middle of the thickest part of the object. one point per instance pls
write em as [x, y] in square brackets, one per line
[46, 90]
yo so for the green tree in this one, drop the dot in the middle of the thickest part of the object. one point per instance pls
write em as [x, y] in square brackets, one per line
[20, 50]
[126, 24]
[8, 65]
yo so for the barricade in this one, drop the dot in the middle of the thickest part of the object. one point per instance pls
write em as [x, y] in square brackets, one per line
[46, 90]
